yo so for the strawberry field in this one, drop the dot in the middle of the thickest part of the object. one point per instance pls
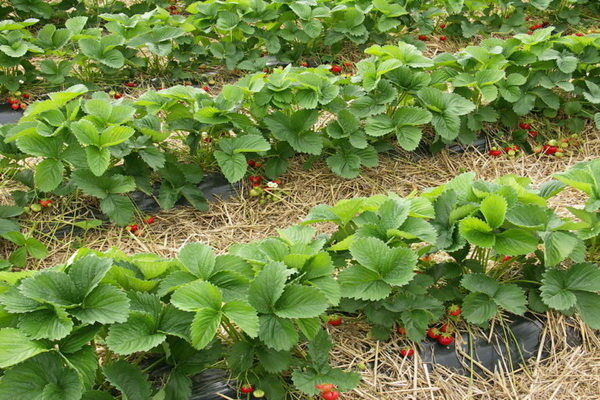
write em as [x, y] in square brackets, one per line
[317, 199]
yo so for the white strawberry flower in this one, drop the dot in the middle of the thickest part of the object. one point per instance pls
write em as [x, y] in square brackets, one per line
[272, 184]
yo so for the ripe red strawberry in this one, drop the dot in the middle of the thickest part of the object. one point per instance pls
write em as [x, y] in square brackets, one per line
[422, 37]
[433, 333]
[258, 164]
[506, 258]
[443, 38]
[348, 64]
[247, 388]
[442, 25]
[251, 163]
[325, 387]
[550, 149]
[172, 7]
[532, 134]
[454, 310]
[579, 34]
[333, 395]
[495, 153]
[206, 88]
[304, 64]
[150, 220]
[445, 339]
[255, 179]
[401, 330]
[26, 96]
[15, 106]
[336, 69]
[132, 228]
[130, 84]
[45, 203]
[524, 125]
[530, 32]
[333, 321]
[407, 352]
[118, 95]
[12, 100]
[445, 328]
[256, 185]
[266, 70]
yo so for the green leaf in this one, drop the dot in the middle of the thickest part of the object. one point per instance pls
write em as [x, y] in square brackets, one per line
[412, 116]
[42, 377]
[588, 305]
[415, 323]
[15, 347]
[197, 295]
[344, 163]
[477, 232]
[558, 246]
[87, 272]
[277, 333]
[268, 287]
[204, 327]
[243, 315]
[301, 302]
[49, 174]
[118, 208]
[53, 323]
[105, 304]
[199, 259]
[511, 298]
[494, 209]
[138, 334]
[273, 361]
[480, 283]
[362, 283]
[515, 242]
[233, 166]
[478, 308]
[128, 379]
[52, 287]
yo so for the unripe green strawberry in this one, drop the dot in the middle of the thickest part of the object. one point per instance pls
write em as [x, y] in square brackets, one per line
[553, 142]
[36, 208]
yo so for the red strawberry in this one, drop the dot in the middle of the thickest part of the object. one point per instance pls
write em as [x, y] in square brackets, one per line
[304, 64]
[407, 352]
[422, 37]
[443, 38]
[23, 106]
[132, 228]
[336, 69]
[45, 203]
[150, 220]
[130, 84]
[173, 7]
[325, 387]
[454, 310]
[256, 185]
[348, 64]
[442, 26]
[401, 330]
[445, 339]
[266, 70]
[12, 100]
[333, 321]
[433, 333]
[118, 95]
[255, 179]
[247, 388]
[206, 88]
[26, 96]
[506, 258]
[251, 163]
[532, 134]
[530, 32]
[15, 106]
[524, 125]
[258, 164]
[495, 153]
[445, 328]
[333, 395]
[550, 149]
[579, 34]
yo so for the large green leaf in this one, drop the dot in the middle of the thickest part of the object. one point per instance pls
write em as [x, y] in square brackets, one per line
[15, 347]
[268, 287]
[277, 333]
[243, 315]
[138, 334]
[299, 301]
[199, 259]
[204, 327]
[129, 379]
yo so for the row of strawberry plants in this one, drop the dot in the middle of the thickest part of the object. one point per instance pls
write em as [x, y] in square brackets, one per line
[118, 46]
[108, 148]
[142, 325]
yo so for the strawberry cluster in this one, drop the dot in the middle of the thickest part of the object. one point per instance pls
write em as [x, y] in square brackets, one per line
[15, 103]
[328, 391]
